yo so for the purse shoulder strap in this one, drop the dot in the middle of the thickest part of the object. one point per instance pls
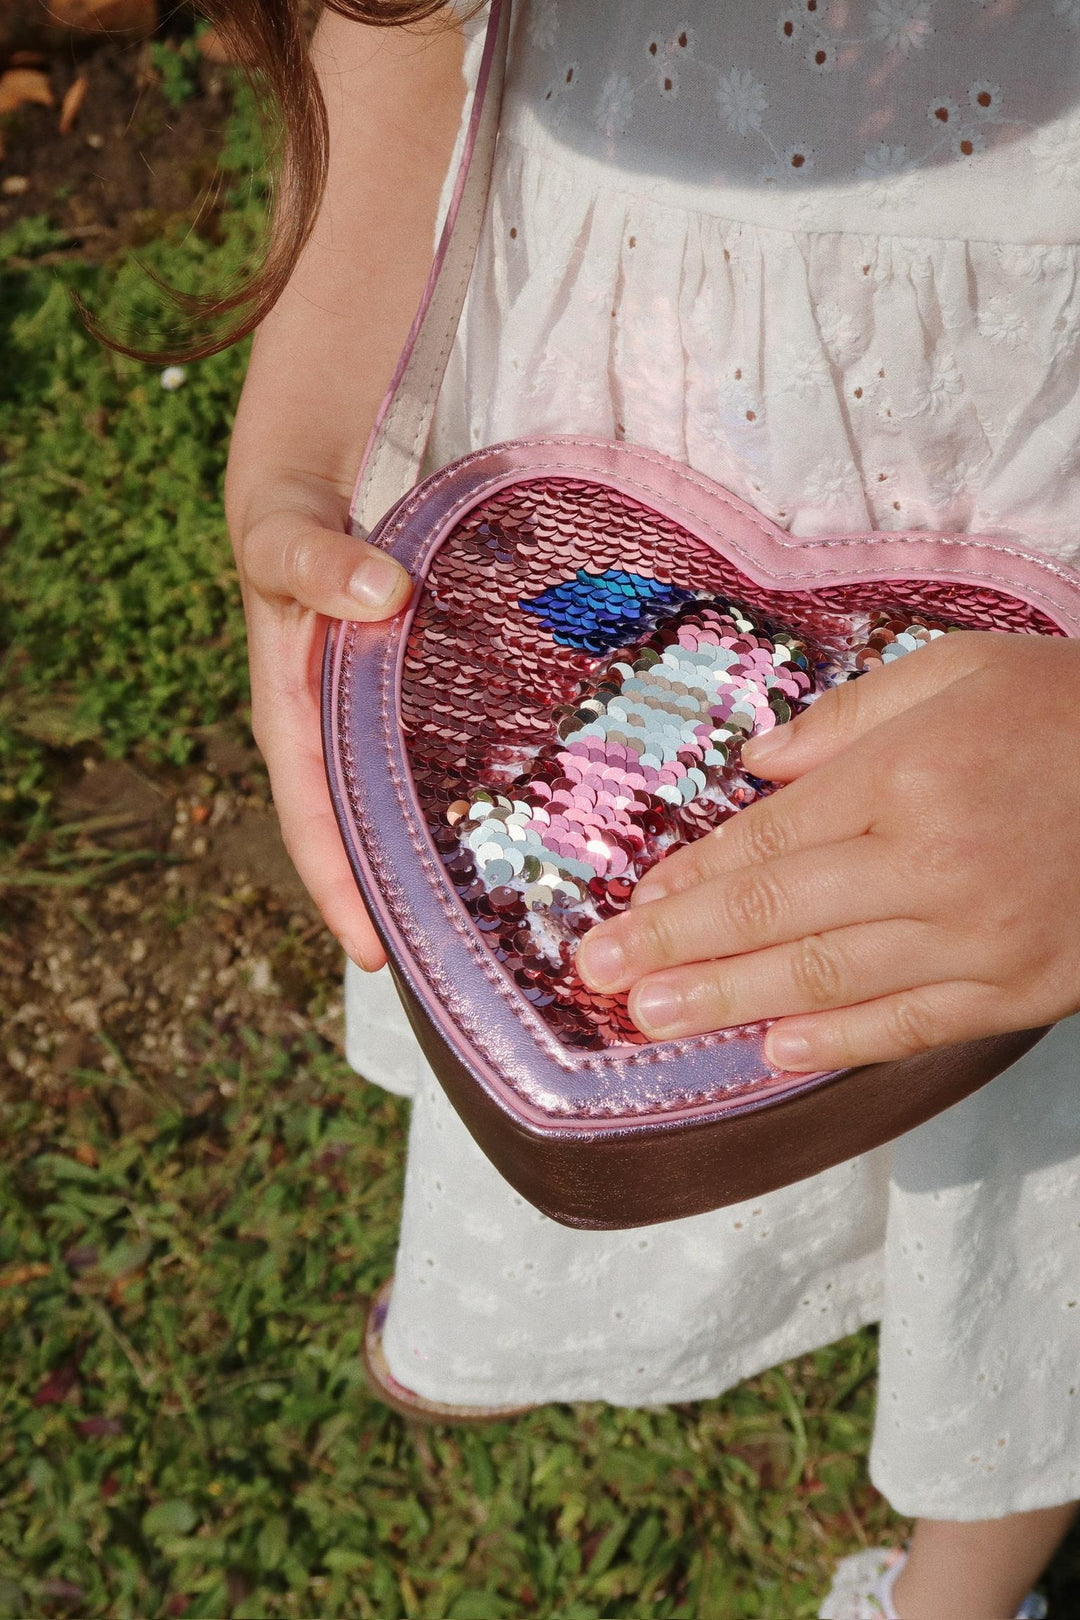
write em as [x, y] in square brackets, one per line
[395, 449]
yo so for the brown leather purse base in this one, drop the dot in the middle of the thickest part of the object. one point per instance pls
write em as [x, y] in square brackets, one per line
[628, 1173]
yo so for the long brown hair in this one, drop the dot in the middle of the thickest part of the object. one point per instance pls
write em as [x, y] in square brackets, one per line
[270, 39]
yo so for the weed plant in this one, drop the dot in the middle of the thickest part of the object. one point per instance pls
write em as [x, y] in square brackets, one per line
[120, 618]
[187, 1430]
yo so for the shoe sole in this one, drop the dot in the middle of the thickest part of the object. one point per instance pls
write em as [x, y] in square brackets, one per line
[406, 1401]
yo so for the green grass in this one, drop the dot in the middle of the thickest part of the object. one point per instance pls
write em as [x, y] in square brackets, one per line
[176, 63]
[120, 618]
[185, 1425]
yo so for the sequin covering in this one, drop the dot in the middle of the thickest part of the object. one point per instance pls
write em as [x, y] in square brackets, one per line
[579, 678]
[600, 611]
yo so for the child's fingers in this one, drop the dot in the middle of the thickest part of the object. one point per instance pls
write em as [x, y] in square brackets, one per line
[311, 835]
[892, 1027]
[839, 968]
[832, 790]
[807, 814]
[286, 723]
[290, 557]
[791, 899]
[840, 717]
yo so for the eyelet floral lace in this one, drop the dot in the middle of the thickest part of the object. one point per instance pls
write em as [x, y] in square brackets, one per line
[862, 97]
[886, 334]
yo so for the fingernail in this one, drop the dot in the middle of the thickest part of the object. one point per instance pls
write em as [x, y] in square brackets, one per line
[656, 1008]
[765, 745]
[352, 952]
[601, 961]
[787, 1050]
[376, 582]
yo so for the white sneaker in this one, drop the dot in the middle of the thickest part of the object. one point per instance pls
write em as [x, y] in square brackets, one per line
[862, 1588]
[862, 1585]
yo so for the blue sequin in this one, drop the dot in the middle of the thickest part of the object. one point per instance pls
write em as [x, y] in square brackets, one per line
[597, 612]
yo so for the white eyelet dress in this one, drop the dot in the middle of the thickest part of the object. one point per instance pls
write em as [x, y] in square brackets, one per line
[827, 255]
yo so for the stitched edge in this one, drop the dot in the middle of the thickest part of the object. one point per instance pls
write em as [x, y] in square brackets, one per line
[472, 1029]
[771, 531]
[418, 837]
[666, 1052]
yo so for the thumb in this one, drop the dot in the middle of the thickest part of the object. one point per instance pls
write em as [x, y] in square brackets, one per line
[290, 556]
[840, 716]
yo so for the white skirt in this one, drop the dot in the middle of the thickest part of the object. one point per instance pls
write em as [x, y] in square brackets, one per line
[962, 1239]
[942, 393]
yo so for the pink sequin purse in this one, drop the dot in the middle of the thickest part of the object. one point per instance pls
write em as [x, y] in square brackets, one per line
[595, 630]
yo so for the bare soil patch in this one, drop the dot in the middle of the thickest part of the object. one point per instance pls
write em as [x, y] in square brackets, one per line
[203, 933]
[131, 160]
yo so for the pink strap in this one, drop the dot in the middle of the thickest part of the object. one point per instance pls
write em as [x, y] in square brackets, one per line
[395, 449]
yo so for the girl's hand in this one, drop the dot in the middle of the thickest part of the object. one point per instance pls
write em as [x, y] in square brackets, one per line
[297, 571]
[916, 883]
[319, 365]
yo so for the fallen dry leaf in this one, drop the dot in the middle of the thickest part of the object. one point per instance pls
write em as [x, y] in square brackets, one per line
[213, 47]
[66, 1591]
[18, 1275]
[86, 1155]
[122, 1284]
[99, 1428]
[58, 1386]
[80, 1258]
[74, 96]
[137, 17]
[20, 87]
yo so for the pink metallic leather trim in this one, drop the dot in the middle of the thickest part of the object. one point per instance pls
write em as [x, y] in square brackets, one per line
[451, 975]
[507, 1049]
[765, 552]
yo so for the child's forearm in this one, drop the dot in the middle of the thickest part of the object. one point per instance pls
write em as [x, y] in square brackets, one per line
[321, 362]
[323, 357]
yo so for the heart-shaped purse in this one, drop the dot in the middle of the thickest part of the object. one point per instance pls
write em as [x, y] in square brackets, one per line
[595, 630]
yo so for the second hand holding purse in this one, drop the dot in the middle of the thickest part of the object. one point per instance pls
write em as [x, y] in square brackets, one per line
[595, 630]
